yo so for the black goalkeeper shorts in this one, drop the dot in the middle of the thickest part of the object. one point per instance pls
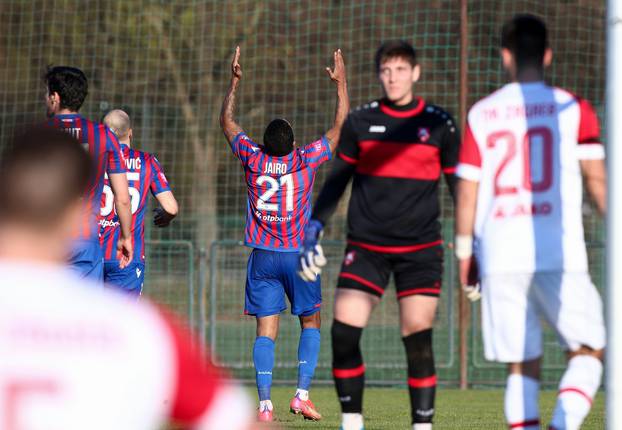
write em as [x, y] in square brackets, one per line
[419, 272]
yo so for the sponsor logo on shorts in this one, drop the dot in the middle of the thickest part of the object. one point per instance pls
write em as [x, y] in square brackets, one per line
[345, 399]
[138, 272]
[349, 258]
[264, 373]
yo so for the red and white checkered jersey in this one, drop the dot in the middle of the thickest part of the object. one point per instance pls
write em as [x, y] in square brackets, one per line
[74, 356]
[523, 144]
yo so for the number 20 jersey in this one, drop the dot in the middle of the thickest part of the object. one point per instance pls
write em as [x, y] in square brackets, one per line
[144, 175]
[279, 192]
[523, 145]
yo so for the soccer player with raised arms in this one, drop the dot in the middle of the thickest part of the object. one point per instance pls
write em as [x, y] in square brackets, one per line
[145, 176]
[279, 176]
[528, 150]
[395, 149]
[66, 90]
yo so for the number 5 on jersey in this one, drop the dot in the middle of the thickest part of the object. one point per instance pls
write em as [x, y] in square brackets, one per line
[108, 205]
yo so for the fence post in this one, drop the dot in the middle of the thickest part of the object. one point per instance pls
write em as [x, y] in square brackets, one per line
[202, 297]
[212, 305]
[463, 307]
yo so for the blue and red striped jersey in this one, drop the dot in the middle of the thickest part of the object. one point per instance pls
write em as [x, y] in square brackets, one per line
[105, 150]
[279, 192]
[144, 175]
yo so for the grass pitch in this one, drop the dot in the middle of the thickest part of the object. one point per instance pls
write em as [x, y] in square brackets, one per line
[388, 409]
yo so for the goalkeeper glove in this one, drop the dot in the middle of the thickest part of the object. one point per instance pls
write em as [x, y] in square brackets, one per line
[311, 254]
[473, 287]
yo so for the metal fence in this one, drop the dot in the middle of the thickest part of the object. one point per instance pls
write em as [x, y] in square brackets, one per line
[166, 63]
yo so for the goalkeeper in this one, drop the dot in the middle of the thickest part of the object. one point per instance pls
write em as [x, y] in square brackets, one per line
[394, 150]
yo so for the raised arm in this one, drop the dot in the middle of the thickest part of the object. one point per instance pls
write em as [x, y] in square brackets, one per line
[338, 75]
[229, 127]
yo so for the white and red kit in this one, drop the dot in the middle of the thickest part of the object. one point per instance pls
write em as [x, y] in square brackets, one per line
[523, 145]
[74, 357]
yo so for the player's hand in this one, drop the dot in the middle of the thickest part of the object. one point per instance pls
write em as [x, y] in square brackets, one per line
[469, 279]
[161, 218]
[311, 254]
[236, 69]
[125, 252]
[338, 74]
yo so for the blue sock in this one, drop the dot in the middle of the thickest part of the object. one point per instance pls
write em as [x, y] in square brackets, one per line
[263, 357]
[308, 352]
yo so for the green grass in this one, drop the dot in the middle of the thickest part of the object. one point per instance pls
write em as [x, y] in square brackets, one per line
[388, 409]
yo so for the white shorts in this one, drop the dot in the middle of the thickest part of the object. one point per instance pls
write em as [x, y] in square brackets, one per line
[514, 304]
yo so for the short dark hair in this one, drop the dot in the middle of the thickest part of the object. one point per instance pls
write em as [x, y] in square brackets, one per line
[278, 139]
[525, 36]
[42, 173]
[70, 83]
[395, 49]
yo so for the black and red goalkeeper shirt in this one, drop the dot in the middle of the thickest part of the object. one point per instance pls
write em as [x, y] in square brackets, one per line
[395, 155]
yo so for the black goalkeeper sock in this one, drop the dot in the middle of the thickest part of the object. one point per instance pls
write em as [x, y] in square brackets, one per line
[421, 375]
[348, 367]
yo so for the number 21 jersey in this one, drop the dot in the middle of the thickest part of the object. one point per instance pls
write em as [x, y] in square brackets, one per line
[523, 144]
[279, 192]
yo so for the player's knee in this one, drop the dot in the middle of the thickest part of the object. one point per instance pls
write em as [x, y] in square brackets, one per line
[268, 326]
[417, 314]
[311, 321]
[529, 368]
[586, 350]
[419, 353]
[346, 345]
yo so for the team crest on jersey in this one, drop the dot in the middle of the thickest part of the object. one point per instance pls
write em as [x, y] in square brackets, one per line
[424, 134]
[349, 258]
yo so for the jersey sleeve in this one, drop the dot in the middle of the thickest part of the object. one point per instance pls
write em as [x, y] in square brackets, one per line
[590, 146]
[203, 395]
[243, 147]
[316, 153]
[159, 183]
[450, 148]
[348, 149]
[469, 158]
[116, 160]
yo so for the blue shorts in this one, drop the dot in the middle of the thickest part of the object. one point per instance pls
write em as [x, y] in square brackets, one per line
[270, 276]
[129, 280]
[87, 260]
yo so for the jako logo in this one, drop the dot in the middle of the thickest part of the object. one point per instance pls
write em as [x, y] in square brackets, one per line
[377, 129]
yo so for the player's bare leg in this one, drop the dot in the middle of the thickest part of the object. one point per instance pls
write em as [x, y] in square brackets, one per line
[308, 352]
[521, 395]
[352, 311]
[577, 388]
[263, 358]
[416, 319]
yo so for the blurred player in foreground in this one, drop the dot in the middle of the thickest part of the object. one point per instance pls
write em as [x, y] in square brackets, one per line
[66, 90]
[76, 357]
[395, 149]
[519, 199]
[280, 177]
[144, 175]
